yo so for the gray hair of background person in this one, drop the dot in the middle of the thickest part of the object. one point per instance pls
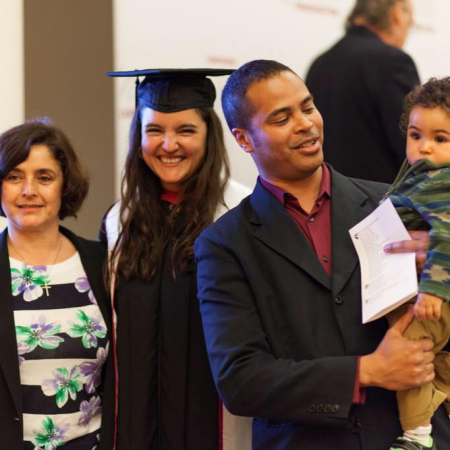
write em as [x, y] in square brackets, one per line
[237, 109]
[374, 12]
[15, 147]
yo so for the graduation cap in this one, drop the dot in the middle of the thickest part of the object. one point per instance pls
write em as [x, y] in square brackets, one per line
[171, 90]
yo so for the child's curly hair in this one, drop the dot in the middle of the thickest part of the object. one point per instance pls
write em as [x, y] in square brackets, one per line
[434, 93]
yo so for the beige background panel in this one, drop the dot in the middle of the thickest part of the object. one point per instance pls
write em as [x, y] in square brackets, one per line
[68, 49]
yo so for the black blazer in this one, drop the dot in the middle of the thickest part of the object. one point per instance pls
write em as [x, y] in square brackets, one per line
[92, 256]
[358, 87]
[282, 337]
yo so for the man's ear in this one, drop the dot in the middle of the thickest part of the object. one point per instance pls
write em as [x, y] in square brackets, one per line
[244, 139]
[399, 13]
[395, 14]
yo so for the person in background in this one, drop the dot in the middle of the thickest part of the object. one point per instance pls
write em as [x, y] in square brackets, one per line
[56, 383]
[421, 196]
[359, 86]
[280, 287]
[176, 183]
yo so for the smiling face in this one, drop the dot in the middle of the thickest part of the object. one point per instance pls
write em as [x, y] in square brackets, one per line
[428, 135]
[31, 192]
[285, 134]
[173, 145]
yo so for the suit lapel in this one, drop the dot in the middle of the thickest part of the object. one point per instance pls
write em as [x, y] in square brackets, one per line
[275, 228]
[347, 209]
[9, 362]
[93, 266]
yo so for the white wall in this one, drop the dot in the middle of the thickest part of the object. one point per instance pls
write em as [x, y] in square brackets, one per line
[12, 106]
[228, 33]
[11, 67]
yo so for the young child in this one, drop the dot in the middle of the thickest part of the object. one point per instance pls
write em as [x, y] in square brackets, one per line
[421, 195]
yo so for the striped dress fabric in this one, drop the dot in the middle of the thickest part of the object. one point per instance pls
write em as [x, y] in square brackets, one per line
[62, 346]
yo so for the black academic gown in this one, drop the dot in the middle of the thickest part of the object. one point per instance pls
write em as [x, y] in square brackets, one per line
[167, 397]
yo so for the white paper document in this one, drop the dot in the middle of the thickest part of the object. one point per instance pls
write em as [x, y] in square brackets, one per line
[387, 280]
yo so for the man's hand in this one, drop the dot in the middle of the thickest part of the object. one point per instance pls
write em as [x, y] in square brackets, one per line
[418, 244]
[427, 307]
[398, 363]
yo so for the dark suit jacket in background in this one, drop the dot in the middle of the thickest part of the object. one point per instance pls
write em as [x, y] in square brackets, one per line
[92, 255]
[282, 337]
[358, 87]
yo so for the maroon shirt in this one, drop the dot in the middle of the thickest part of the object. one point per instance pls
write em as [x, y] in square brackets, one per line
[173, 197]
[316, 227]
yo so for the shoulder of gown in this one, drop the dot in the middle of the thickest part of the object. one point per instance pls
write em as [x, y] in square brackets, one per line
[235, 192]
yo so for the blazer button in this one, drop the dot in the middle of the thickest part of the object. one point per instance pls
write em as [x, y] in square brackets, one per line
[312, 408]
[356, 428]
[335, 408]
[319, 408]
[339, 300]
[327, 409]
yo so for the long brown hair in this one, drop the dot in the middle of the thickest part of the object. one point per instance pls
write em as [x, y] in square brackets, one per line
[145, 228]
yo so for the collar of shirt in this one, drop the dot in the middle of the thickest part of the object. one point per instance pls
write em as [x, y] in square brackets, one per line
[173, 197]
[284, 196]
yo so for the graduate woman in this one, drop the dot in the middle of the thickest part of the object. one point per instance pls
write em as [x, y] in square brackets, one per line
[176, 183]
[55, 374]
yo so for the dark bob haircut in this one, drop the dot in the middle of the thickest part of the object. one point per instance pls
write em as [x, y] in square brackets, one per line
[435, 93]
[15, 147]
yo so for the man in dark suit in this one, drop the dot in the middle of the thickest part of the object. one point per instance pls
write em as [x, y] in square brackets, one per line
[279, 287]
[359, 86]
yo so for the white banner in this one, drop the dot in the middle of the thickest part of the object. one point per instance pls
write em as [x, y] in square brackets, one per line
[228, 33]
[12, 67]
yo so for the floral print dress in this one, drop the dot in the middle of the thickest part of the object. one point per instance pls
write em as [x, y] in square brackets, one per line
[62, 346]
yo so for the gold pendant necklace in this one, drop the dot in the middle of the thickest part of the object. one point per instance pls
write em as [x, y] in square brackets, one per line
[45, 286]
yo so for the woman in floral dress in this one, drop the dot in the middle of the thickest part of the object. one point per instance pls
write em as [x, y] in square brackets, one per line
[175, 184]
[55, 375]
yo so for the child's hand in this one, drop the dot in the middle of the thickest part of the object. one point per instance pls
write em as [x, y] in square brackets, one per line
[427, 307]
[418, 243]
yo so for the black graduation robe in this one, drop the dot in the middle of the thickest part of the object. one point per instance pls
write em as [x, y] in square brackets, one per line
[167, 397]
